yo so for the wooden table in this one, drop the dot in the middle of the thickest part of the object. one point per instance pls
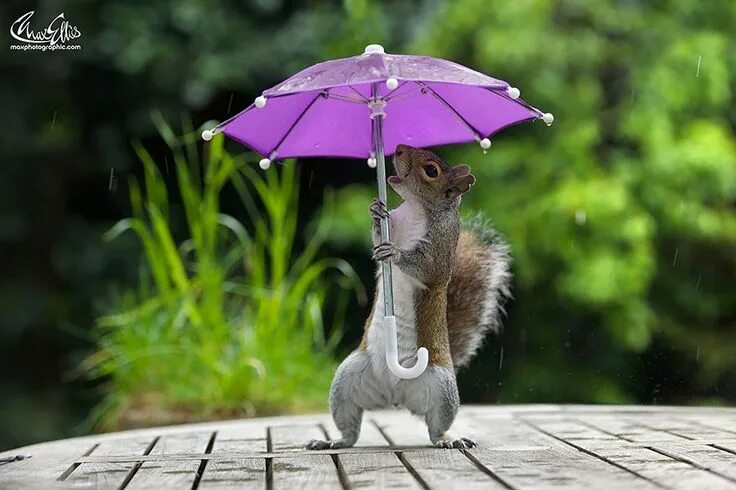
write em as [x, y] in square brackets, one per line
[526, 446]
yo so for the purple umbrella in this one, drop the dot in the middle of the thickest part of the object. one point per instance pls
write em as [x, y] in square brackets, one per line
[363, 107]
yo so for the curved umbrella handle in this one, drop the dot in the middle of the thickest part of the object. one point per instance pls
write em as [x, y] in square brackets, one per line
[392, 353]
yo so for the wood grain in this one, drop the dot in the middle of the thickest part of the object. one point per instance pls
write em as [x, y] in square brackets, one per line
[532, 446]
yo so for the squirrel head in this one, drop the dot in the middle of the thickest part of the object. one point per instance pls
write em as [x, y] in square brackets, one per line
[423, 176]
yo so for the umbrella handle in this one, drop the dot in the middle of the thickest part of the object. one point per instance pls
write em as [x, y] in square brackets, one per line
[392, 353]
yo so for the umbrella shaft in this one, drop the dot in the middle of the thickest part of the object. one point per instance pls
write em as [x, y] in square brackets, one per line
[377, 143]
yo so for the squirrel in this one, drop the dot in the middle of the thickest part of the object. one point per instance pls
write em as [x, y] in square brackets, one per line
[449, 283]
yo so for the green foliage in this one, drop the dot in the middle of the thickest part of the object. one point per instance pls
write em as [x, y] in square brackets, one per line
[621, 215]
[224, 320]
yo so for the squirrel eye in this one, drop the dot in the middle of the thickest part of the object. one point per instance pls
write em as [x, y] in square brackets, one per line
[431, 171]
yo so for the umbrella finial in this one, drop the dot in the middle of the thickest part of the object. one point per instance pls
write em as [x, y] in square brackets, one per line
[548, 118]
[207, 134]
[513, 92]
[374, 49]
[485, 143]
[392, 83]
[260, 102]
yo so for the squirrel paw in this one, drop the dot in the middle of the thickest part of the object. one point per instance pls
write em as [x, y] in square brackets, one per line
[384, 251]
[378, 209]
[317, 445]
[460, 443]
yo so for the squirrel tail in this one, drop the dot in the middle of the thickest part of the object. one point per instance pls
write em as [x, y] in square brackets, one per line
[478, 289]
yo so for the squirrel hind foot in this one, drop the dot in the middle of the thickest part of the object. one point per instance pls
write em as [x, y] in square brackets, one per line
[319, 445]
[459, 443]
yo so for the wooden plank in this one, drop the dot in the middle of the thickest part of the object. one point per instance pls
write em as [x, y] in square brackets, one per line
[164, 474]
[435, 467]
[629, 429]
[664, 469]
[172, 473]
[237, 472]
[241, 473]
[703, 456]
[111, 475]
[43, 463]
[307, 471]
[527, 458]
[375, 469]
[187, 443]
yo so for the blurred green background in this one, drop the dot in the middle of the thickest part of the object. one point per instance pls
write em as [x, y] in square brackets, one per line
[214, 300]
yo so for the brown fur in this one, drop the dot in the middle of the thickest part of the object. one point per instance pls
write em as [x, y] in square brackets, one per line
[464, 295]
[431, 305]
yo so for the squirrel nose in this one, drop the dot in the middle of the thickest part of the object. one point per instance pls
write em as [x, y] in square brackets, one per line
[400, 150]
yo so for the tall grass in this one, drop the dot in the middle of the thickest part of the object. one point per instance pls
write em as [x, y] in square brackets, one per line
[227, 319]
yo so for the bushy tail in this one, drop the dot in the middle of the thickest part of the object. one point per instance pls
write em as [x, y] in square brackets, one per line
[478, 289]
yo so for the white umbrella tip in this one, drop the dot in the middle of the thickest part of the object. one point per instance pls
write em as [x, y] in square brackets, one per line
[374, 49]
[260, 102]
[207, 134]
[264, 163]
[548, 118]
[513, 92]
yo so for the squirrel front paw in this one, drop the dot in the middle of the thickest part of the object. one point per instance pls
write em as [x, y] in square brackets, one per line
[459, 443]
[378, 209]
[385, 251]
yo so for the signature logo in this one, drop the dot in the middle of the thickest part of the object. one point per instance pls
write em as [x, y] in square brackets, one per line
[55, 36]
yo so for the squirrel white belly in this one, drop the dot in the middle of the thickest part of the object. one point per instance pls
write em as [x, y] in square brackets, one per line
[449, 286]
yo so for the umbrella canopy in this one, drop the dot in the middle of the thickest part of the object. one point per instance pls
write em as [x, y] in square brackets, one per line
[364, 107]
[324, 110]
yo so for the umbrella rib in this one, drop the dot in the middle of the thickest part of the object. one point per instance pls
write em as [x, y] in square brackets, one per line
[518, 101]
[362, 97]
[394, 96]
[454, 111]
[296, 121]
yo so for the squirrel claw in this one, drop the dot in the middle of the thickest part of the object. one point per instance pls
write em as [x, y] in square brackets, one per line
[378, 209]
[461, 443]
[384, 251]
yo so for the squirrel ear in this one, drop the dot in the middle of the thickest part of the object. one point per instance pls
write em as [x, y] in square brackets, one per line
[461, 170]
[460, 185]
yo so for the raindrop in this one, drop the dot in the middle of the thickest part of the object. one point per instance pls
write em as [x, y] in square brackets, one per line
[580, 217]
[311, 178]
[697, 355]
[697, 284]
[674, 261]
[500, 359]
[229, 104]
[697, 70]
[53, 121]
[111, 184]
[166, 164]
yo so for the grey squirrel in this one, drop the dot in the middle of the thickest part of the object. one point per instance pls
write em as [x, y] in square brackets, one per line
[449, 284]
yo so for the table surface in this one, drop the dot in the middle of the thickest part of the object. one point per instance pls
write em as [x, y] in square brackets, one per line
[522, 446]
